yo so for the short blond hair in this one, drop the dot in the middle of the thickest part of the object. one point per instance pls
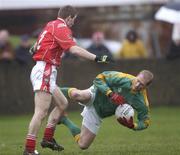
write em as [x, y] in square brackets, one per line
[148, 76]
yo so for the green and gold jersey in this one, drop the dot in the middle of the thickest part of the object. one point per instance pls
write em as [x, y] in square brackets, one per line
[121, 83]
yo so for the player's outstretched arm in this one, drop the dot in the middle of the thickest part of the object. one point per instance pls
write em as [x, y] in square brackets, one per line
[81, 52]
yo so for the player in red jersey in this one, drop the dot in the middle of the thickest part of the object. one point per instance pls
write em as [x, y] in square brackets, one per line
[55, 39]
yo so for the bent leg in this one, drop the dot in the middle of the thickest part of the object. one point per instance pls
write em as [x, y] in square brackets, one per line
[61, 104]
[90, 126]
[83, 96]
[83, 137]
[60, 100]
[86, 138]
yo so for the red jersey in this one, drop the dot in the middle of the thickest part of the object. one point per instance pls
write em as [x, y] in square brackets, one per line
[55, 39]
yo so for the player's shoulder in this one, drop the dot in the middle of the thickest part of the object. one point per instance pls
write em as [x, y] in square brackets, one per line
[109, 73]
[119, 74]
[58, 24]
[61, 25]
[125, 75]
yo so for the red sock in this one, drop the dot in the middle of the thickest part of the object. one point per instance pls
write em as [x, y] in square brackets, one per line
[30, 143]
[49, 132]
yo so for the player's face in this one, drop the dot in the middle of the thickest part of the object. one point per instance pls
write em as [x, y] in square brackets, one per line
[139, 83]
[70, 21]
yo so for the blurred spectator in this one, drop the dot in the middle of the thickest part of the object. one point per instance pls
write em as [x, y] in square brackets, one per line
[132, 47]
[4, 37]
[36, 33]
[97, 47]
[6, 50]
[174, 51]
[22, 51]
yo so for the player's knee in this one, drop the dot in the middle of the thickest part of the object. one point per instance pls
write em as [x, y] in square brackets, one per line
[54, 121]
[41, 114]
[83, 146]
[64, 105]
[75, 95]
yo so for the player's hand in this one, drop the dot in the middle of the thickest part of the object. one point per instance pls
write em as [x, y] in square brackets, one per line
[103, 59]
[117, 98]
[127, 123]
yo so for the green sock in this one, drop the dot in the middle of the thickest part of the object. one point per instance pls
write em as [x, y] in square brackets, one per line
[74, 129]
[65, 91]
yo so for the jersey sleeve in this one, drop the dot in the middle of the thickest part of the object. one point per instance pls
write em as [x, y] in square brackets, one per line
[64, 38]
[106, 80]
[143, 114]
[142, 124]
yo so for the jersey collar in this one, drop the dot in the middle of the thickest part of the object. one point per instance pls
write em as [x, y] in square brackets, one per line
[62, 20]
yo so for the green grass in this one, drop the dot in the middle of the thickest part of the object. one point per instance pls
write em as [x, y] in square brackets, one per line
[161, 138]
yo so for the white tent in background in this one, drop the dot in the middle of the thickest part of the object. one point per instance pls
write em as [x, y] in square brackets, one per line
[169, 13]
[38, 4]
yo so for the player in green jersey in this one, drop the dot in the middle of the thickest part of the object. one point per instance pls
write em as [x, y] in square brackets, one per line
[109, 90]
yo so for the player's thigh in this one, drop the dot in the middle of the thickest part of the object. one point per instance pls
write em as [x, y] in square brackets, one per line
[86, 137]
[87, 96]
[43, 77]
[42, 101]
[60, 99]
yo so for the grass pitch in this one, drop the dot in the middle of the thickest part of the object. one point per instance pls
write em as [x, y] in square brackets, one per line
[161, 138]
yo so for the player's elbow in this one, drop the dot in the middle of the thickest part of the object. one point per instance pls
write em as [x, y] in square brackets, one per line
[74, 50]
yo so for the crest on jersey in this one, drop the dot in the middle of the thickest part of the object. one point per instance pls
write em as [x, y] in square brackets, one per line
[119, 90]
[61, 25]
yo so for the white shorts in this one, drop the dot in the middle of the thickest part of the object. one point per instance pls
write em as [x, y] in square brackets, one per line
[91, 119]
[43, 77]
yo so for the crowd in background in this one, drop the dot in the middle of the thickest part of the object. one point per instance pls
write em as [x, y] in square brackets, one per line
[132, 47]
[9, 53]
